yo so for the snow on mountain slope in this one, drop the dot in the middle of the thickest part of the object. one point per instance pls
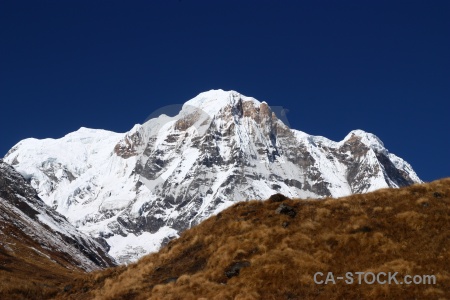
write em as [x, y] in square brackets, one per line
[136, 190]
[25, 221]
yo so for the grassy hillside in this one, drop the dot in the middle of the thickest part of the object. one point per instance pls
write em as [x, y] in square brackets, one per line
[265, 250]
[27, 269]
[272, 249]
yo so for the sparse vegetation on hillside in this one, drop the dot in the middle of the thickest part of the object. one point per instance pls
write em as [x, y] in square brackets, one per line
[272, 249]
[29, 271]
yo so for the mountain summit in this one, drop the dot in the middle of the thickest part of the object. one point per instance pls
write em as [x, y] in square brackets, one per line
[137, 190]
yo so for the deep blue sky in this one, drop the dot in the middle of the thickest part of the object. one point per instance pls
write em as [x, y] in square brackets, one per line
[380, 66]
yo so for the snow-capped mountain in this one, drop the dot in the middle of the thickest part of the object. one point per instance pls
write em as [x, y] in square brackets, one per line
[137, 190]
[27, 223]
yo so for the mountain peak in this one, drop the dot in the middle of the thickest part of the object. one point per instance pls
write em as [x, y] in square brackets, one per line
[213, 101]
[368, 139]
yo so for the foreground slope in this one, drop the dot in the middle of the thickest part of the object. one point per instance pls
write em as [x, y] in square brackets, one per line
[39, 248]
[139, 189]
[272, 249]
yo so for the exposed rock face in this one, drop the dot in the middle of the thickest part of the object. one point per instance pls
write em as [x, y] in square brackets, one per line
[137, 190]
[26, 220]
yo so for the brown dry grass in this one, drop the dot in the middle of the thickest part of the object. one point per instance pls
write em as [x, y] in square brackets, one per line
[26, 273]
[390, 230]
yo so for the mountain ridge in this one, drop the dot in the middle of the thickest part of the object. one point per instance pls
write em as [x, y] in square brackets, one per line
[22, 208]
[39, 248]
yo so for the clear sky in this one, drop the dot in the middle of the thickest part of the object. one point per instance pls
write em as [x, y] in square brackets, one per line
[380, 66]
